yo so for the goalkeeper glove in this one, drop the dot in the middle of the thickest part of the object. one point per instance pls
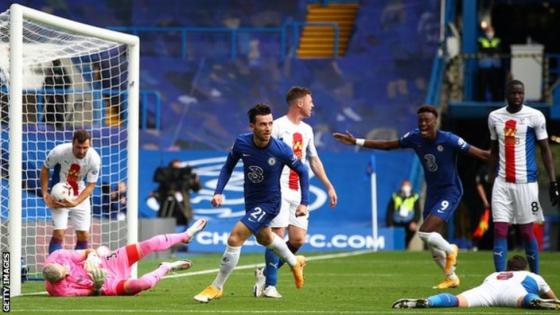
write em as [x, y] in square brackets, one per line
[92, 262]
[554, 191]
[98, 276]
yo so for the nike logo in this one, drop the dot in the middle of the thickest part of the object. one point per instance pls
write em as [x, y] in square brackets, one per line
[246, 154]
[501, 254]
[441, 211]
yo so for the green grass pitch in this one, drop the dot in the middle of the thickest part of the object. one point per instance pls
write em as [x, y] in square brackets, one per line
[360, 284]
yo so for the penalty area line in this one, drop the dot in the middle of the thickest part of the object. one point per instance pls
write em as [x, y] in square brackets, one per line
[243, 267]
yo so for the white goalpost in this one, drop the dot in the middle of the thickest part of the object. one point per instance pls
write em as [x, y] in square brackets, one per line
[58, 76]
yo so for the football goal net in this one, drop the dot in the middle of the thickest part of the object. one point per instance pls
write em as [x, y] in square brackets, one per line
[58, 76]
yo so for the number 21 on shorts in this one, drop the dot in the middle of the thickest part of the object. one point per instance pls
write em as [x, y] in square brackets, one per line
[257, 214]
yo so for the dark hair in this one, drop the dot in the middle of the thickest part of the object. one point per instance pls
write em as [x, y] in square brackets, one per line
[427, 109]
[517, 263]
[258, 110]
[81, 136]
[296, 92]
[511, 83]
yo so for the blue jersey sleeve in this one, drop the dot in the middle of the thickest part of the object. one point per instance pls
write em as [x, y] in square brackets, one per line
[227, 169]
[406, 140]
[457, 142]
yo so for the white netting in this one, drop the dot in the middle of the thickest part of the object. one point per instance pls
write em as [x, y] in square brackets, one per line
[70, 82]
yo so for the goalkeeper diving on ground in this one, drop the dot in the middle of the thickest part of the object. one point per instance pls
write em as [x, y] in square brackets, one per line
[84, 272]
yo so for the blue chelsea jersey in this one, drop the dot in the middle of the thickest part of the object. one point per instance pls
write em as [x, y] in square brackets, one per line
[262, 168]
[439, 158]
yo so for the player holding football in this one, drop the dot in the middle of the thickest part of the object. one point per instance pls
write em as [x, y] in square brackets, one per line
[263, 157]
[79, 167]
[515, 287]
[83, 272]
[291, 129]
[437, 150]
[514, 131]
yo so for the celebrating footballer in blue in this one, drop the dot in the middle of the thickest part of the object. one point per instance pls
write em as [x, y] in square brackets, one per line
[263, 160]
[438, 152]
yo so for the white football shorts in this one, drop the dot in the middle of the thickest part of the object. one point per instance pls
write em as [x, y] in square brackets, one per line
[287, 215]
[487, 295]
[80, 217]
[516, 203]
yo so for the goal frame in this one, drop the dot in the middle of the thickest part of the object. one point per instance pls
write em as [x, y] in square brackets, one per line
[17, 15]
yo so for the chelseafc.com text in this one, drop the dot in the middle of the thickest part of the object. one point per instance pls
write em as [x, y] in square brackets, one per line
[316, 241]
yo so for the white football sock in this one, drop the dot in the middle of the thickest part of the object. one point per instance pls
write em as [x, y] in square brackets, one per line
[434, 239]
[228, 262]
[439, 256]
[278, 245]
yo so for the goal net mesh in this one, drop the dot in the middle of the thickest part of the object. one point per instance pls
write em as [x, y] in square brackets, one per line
[70, 82]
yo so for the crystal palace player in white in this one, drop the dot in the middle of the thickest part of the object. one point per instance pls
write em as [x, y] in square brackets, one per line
[291, 129]
[79, 167]
[515, 287]
[514, 132]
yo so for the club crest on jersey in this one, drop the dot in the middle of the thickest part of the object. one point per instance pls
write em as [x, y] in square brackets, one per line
[440, 148]
[271, 161]
[510, 131]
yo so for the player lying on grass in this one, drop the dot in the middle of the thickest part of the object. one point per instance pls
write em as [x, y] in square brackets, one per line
[83, 272]
[515, 287]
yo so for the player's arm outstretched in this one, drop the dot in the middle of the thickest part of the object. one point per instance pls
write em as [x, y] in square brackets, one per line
[478, 153]
[348, 138]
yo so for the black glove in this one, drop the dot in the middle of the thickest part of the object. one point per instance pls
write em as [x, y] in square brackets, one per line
[554, 193]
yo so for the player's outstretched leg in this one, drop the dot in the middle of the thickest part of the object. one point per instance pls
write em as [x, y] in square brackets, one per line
[165, 241]
[151, 279]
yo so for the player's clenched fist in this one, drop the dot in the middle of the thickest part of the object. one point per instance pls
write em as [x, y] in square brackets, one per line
[301, 211]
[217, 200]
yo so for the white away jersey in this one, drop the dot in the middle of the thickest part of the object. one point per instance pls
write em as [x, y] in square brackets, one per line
[300, 138]
[517, 135]
[73, 170]
[516, 283]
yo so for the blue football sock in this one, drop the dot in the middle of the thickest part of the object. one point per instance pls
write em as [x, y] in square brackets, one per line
[81, 245]
[532, 252]
[528, 298]
[55, 244]
[443, 300]
[271, 267]
[500, 254]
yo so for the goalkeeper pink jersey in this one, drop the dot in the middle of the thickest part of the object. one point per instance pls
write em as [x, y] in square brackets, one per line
[77, 283]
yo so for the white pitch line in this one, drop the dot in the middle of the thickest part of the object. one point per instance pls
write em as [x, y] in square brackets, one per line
[207, 271]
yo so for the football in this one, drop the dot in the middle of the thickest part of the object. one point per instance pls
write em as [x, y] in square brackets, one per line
[61, 191]
[103, 251]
